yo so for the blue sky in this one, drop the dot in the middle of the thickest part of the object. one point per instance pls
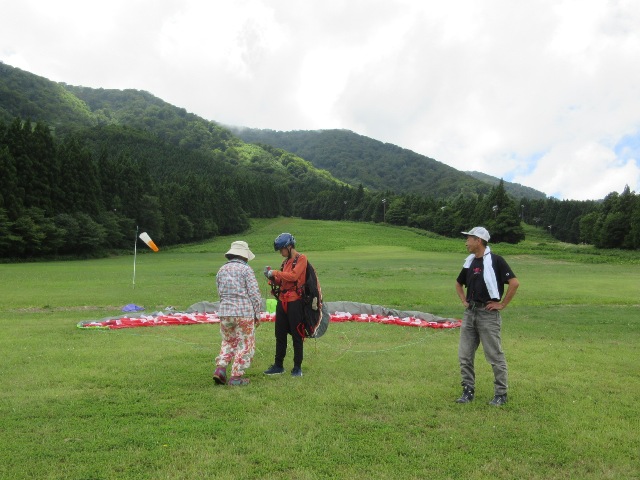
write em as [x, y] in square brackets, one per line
[545, 93]
[628, 147]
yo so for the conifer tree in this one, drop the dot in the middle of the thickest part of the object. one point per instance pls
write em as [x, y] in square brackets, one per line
[10, 199]
[79, 179]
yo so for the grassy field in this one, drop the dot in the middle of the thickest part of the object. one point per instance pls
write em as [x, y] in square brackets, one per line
[376, 401]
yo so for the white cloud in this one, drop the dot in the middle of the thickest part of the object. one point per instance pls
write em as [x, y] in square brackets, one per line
[536, 92]
[582, 171]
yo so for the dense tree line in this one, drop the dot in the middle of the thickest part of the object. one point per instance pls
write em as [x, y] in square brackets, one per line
[611, 223]
[59, 197]
[496, 211]
[96, 163]
[86, 193]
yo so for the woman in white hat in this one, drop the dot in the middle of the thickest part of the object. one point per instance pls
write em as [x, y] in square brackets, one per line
[239, 313]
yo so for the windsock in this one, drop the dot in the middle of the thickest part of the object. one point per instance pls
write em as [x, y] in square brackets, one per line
[147, 239]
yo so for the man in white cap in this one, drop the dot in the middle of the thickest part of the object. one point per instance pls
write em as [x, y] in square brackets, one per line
[239, 313]
[484, 275]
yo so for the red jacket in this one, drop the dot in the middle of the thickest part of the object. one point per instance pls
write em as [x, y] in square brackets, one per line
[291, 278]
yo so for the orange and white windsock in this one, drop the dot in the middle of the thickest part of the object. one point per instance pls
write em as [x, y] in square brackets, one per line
[147, 239]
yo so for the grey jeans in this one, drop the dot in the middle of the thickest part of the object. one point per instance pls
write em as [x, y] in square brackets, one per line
[482, 326]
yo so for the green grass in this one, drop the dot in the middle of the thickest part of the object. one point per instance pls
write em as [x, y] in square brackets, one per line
[376, 401]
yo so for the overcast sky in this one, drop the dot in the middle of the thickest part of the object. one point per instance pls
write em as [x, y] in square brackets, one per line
[545, 93]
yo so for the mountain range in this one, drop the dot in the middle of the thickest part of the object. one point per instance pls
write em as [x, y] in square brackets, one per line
[340, 156]
[380, 166]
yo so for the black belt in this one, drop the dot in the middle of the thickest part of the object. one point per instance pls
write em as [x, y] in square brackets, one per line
[475, 304]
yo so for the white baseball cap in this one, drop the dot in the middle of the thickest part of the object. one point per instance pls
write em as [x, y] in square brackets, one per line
[479, 232]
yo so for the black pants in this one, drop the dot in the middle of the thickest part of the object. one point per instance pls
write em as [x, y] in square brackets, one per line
[287, 324]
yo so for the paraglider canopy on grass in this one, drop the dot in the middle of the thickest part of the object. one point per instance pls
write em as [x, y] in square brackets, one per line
[206, 312]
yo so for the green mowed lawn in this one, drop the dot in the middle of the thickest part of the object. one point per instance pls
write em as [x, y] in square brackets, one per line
[376, 401]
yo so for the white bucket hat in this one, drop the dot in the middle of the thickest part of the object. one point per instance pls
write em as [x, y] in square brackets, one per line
[479, 232]
[241, 249]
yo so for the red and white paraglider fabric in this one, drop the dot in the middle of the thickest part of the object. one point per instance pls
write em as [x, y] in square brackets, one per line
[205, 312]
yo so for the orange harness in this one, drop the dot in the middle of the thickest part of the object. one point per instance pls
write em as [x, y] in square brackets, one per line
[290, 295]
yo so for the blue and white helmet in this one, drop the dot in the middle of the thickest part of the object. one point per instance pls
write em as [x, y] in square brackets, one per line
[284, 240]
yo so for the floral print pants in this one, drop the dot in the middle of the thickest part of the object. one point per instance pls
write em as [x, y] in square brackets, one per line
[238, 344]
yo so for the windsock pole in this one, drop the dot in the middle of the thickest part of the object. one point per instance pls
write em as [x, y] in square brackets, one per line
[135, 253]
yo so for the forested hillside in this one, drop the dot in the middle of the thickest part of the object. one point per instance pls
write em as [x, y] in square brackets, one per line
[379, 166]
[81, 168]
[24, 95]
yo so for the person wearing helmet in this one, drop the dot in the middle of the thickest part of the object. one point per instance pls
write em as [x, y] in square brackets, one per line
[286, 284]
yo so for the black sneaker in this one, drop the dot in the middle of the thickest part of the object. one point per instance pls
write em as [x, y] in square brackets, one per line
[274, 370]
[467, 395]
[498, 400]
[296, 372]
